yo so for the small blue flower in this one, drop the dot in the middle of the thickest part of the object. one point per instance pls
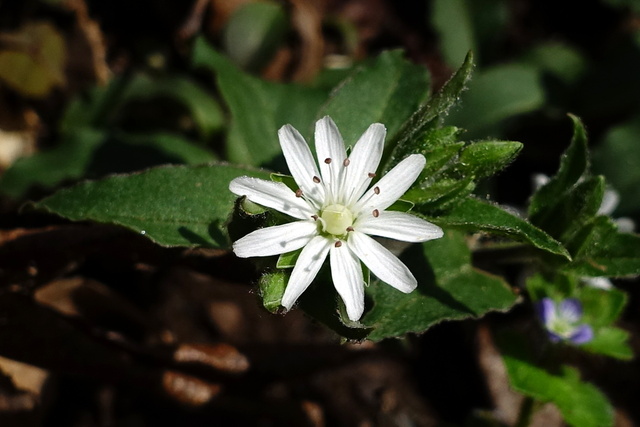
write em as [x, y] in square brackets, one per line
[562, 320]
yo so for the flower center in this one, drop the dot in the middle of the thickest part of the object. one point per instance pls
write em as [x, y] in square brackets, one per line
[562, 327]
[336, 219]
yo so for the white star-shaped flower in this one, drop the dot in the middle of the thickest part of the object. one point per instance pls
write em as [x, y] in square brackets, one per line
[336, 213]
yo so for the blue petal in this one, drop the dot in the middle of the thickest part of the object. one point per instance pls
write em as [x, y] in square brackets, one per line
[546, 309]
[582, 334]
[570, 310]
[553, 337]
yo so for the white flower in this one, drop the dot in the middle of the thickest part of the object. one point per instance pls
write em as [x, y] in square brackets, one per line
[336, 213]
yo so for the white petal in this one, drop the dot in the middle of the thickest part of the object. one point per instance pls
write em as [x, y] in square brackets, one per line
[300, 162]
[306, 269]
[364, 160]
[392, 186]
[275, 195]
[275, 240]
[398, 226]
[346, 273]
[329, 145]
[381, 262]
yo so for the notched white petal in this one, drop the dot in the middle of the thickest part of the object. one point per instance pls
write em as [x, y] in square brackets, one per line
[382, 263]
[275, 240]
[331, 154]
[346, 273]
[275, 195]
[363, 161]
[306, 269]
[393, 185]
[399, 226]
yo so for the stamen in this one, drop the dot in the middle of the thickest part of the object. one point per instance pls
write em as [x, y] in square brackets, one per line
[298, 193]
[376, 190]
[350, 228]
[316, 180]
[315, 217]
[376, 213]
[338, 244]
[371, 174]
[327, 160]
[346, 162]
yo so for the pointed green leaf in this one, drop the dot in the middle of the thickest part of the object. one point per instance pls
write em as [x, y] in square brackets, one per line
[477, 215]
[574, 164]
[272, 286]
[173, 205]
[410, 137]
[448, 288]
[386, 91]
[610, 341]
[601, 250]
[485, 158]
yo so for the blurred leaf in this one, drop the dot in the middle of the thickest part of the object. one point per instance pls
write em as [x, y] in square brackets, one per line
[258, 108]
[448, 288]
[33, 59]
[610, 341]
[173, 205]
[89, 153]
[452, 21]
[617, 158]
[49, 168]
[602, 307]
[101, 106]
[387, 90]
[581, 404]
[560, 61]
[477, 215]
[253, 33]
[496, 94]
[600, 250]
[413, 135]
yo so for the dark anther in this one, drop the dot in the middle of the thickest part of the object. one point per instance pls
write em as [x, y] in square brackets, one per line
[315, 217]
[316, 180]
[349, 228]
[338, 244]
[376, 190]
[376, 213]
[327, 160]
[298, 193]
[371, 174]
[346, 162]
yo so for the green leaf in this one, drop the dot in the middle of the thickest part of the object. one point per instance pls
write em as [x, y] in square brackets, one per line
[600, 250]
[441, 195]
[47, 169]
[617, 158]
[288, 260]
[477, 215]
[574, 164]
[610, 341]
[581, 404]
[410, 138]
[573, 210]
[448, 288]
[253, 33]
[258, 108]
[89, 153]
[388, 91]
[484, 158]
[173, 205]
[495, 94]
[602, 307]
[102, 106]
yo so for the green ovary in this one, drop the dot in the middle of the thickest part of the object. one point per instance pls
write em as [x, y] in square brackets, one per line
[336, 219]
